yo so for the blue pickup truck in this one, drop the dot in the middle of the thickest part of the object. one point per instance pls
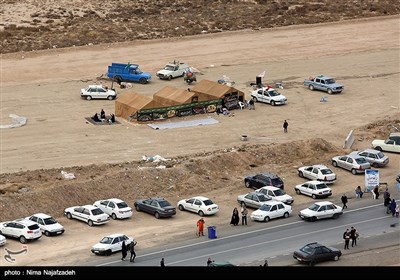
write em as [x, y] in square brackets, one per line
[324, 83]
[122, 72]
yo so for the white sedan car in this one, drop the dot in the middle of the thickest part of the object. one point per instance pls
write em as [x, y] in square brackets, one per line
[317, 172]
[268, 95]
[48, 225]
[321, 210]
[98, 92]
[90, 214]
[115, 208]
[198, 204]
[3, 240]
[271, 210]
[315, 189]
[110, 244]
[276, 194]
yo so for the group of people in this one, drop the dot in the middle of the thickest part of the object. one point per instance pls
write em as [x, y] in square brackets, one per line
[103, 117]
[352, 235]
[235, 216]
[131, 248]
[390, 203]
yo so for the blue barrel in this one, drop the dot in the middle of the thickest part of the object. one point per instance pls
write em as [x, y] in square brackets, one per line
[212, 232]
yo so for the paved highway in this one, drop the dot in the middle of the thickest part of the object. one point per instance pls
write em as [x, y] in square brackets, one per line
[274, 241]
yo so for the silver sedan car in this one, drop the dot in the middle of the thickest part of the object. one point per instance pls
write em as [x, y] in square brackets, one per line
[374, 157]
[253, 199]
[354, 163]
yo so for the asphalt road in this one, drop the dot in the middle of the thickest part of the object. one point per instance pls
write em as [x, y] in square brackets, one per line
[276, 241]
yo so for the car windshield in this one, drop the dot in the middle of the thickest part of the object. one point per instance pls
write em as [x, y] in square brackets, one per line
[326, 171]
[273, 93]
[263, 198]
[164, 203]
[276, 181]
[122, 205]
[106, 240]
[169, 67]
[307, 249]
[361, 160]
[34, 226]
[208, 202]
[97, 211]
[49, 221]
[321, 186]
[380, 155]
[330, 81]
[314, 207]
[279, 192]
[265, 207]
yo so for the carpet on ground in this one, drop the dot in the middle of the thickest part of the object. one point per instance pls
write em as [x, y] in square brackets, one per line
[183, 123]
[89, 119]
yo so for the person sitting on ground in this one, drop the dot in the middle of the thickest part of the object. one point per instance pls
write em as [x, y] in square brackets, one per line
[112, 118]
[102, 114]
[225, 111]
[95, 117]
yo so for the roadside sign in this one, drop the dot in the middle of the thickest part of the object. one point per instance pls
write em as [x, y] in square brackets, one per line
[371, 179]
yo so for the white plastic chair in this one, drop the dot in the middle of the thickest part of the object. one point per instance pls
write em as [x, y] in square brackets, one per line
[241, 105]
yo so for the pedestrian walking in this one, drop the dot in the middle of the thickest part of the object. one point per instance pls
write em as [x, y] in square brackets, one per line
[285, 126]
[200, 227]
[344, 201]
[124, 250]
[162, 263]
[386, 203]
[346, 237]
[392, 207]
[244, 215]
[132, 250]
[353, 236]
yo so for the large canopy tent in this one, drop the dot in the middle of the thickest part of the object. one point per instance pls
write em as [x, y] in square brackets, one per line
[209, 90]
[171, 96]
[130, 103]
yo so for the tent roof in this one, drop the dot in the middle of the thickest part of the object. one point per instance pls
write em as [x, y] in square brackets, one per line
[134, 100]
[176, 94]
[212, 88]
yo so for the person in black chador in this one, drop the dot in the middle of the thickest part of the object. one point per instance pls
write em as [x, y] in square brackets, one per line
[344, 201]
[235, 217]
[124, 250]
[95, 117]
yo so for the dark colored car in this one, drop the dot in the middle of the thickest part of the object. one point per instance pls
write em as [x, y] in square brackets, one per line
[159, 207]
[313, 253]
[263, 179]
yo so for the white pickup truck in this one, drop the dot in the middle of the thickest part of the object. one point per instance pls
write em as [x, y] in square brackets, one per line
[172, 70]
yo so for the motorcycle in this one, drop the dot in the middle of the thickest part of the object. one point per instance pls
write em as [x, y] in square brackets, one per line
[189, 77]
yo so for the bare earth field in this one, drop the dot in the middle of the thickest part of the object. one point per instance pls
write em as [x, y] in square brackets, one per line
[209, 160]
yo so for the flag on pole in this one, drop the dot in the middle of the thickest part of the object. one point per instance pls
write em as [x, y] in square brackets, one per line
[262, 74]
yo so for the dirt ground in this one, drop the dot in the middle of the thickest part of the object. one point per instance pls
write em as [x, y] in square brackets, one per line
[208, 160]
